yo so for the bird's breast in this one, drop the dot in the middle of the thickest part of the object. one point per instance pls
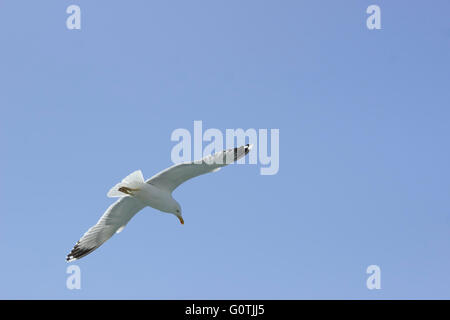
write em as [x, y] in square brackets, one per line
[154, 197]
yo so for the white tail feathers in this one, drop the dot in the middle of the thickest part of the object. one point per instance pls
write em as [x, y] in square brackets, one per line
[132, 181]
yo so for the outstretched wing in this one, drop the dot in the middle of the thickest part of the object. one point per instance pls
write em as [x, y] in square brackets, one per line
[113, 220]
[172, 177]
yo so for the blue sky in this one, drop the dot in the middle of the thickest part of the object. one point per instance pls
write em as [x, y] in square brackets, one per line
[364, 158]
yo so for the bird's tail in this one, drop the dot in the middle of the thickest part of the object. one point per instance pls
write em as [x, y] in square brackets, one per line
[131, 183]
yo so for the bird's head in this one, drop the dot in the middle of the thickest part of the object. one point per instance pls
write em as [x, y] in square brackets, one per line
[177, 211]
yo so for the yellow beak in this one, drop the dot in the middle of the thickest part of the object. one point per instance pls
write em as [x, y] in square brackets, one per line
[181, 220]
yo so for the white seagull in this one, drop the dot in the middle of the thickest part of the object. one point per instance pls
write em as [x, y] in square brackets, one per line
[135, 194]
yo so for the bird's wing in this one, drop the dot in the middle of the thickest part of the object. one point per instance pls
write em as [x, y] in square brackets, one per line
[113, 220]
[172, 177]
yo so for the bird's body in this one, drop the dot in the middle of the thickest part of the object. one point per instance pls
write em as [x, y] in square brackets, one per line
[135, 194]
[148, 194]
[156, 198]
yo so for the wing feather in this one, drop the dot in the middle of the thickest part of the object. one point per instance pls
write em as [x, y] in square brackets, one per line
[170, 178]
[114, 218]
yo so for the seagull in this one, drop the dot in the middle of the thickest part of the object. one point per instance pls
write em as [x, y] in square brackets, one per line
[135, 194]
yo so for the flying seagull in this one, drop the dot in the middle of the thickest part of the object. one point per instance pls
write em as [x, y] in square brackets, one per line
[135, 194]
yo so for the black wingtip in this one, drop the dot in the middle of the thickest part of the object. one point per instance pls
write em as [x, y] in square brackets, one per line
[78, 252]
[247, 149]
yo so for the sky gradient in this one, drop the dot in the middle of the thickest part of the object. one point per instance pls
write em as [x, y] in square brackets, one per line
[364, 172]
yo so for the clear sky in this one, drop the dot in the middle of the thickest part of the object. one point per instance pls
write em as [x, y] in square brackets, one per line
[364, 172]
